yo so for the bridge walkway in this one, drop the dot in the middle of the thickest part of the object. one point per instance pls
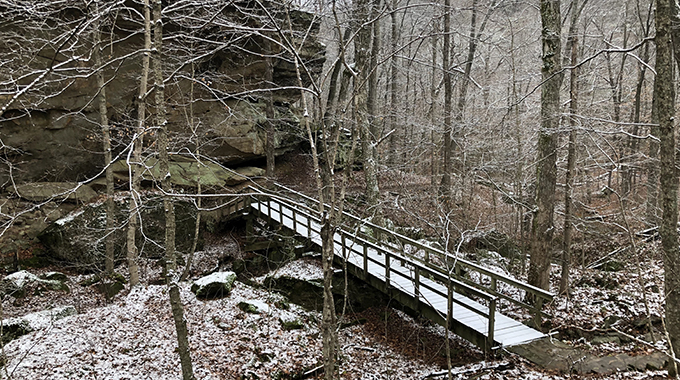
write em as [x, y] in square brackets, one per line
[421, 277]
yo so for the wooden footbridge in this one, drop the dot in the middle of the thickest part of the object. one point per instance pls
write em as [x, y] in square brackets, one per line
[421, 277]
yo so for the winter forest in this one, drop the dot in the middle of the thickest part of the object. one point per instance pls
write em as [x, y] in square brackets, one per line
[339, 189]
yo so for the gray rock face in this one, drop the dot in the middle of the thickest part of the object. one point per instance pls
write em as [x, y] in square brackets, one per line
[216, 285]
[44, 191]
[52, 134]
[78, 238]
[556, 355]
[187, 172]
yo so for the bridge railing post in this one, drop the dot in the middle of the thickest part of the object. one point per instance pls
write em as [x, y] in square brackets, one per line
[269, 208]
[492, 322]
[416, 284]
[365, 257]
[538, 319]
[309, 227]
[387, 269]
[343, 241]
[250, 231]
[281, 211]
[293, 212]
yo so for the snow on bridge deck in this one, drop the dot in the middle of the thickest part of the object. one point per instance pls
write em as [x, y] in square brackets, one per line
[406, 275]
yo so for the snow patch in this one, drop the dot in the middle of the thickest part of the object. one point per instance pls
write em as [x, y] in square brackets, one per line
[69, 218]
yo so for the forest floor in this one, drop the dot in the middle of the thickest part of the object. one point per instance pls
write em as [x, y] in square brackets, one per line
[133, 337]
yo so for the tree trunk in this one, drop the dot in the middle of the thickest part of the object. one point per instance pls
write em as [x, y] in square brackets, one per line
[106, 145]
[170, 228]
[434, 162]
[329, 319]
[446, 66]
[366, 48]
[135, 163]
[546, 169]
[197, 138]
[664, 97]
[270, 149]
[572, 46]
[394, 88]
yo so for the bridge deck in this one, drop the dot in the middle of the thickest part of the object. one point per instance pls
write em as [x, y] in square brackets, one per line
[402, 274]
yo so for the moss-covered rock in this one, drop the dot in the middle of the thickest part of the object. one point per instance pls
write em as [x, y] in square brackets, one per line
[254, 306]
[44, 191]
[16, 327]
[216, 285]
[189, 172]
[22, 283]
[290, 321]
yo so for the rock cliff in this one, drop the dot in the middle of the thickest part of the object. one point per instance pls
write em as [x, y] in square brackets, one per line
[215, 69]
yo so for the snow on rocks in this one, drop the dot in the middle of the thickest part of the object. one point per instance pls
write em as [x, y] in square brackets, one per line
[216, 285]
[254, 306]
[18, 283]
[303, 269]
[290, 321]
[15, 327]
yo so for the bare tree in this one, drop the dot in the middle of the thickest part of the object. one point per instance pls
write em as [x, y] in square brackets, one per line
[134, 159]
[106, 140]
[664, 97]
[546, 171]
[572, 49]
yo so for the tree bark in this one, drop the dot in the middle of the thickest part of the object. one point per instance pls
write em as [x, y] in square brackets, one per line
[394, 88]
[365, 46]
[572, 46]
[434, 162]
[135, 163]
[546, 169]
[106, 146]
[664, 97]
[270, 149]
[446, 66]
[172, 277]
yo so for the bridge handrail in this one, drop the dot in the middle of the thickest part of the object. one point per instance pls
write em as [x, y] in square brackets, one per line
[434, 272]
[541, 295]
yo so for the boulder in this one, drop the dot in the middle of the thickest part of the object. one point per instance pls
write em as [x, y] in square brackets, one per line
[20, 284]
[290, 321]
[254, 306]
[78, 238]
[216, 285]
[107, 284]
[45, 191]
[611, 266]
[16, 327]
[13, 328]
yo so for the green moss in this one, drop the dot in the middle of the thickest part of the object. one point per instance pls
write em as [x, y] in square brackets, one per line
[248, 308]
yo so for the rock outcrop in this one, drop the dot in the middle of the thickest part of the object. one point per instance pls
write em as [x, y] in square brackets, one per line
[50, 132]
[186, 172]
[78, 238]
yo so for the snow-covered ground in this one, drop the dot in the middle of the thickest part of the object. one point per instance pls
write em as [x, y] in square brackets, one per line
[134, 337]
